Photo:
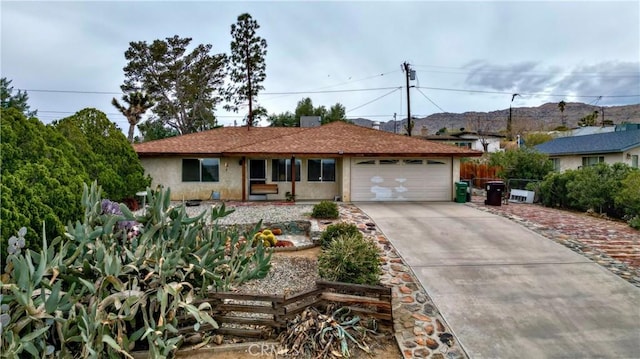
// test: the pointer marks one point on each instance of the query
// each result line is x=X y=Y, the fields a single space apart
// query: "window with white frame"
x=281 y=170
x=321 y=170
x=634 y=161
x=591 y=160
x=200 y=170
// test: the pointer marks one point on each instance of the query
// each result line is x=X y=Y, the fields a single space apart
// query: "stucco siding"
x=574 y=162
x=632 y=152
x=455 y=175
x=168 y=173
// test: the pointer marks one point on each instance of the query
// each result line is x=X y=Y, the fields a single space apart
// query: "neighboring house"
x=337 y=160
x=579 y=151
x=587 y=130
x=471 y=140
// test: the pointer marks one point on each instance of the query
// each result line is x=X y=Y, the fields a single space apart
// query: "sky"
x=467 y=56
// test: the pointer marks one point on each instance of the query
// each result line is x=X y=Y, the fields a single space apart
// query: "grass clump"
x=334 y=231
x=325 y=210
x=350 y=259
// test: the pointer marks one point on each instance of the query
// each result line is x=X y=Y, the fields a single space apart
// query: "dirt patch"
x=311 y=253
x=387 y=348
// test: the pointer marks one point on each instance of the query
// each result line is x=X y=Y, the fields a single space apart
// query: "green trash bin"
x=461 y=192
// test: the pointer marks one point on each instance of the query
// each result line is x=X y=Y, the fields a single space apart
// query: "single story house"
x=471 y=140
x=578 y=151
x=334 y=161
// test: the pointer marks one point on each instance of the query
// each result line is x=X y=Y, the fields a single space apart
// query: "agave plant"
x=118 y=282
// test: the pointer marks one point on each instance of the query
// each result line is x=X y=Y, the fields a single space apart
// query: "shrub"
x=120 y=282
x=554 y=192
x=535 y=138
x=45 y=166
x=337 y=230
x=325 y=209
x=524 y=163
x=611 y=189
x=628 y=196
x=594 y=187
x=351 y=259
x=634 y=222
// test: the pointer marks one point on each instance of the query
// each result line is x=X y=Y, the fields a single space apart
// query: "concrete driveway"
x=508 y=292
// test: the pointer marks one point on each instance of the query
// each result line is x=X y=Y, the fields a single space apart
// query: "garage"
x=401 y=179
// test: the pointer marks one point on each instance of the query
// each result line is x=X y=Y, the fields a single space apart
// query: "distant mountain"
x=544 y=117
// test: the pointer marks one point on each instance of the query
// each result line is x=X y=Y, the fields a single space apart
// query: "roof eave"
x=178 y=154
x=582 y=153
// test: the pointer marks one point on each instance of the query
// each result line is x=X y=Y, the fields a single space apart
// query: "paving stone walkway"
x=420 y=330
x=610 y=243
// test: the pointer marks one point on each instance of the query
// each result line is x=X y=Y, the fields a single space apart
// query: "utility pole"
x=395 y=124
x=407 y=71
x=509 y=133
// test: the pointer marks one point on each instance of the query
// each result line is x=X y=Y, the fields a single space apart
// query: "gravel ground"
x=253 y=213
x=288 y=274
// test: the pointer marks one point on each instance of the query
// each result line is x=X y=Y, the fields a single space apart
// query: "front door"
x=257 y=175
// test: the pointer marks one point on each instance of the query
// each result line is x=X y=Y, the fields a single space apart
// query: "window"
x=201 y=170
x=434 y=162
x=366 y=162
x=281 y=170
x=389 y=162
x=413 y=162
x=556 y=164
x=321 y=170
x=591 y=160
x=634 y=161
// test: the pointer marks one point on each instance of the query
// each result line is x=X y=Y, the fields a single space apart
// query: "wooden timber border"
x=273 y=311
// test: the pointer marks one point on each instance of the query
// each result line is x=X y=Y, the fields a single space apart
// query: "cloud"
x=620 y=80
x=617 y=82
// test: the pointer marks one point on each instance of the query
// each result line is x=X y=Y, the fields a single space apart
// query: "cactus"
x=103 y=288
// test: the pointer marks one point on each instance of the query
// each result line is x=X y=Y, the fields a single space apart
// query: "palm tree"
x=561 y=106
x=138 y=103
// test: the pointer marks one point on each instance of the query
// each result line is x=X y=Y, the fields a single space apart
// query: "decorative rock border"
x=420 y=330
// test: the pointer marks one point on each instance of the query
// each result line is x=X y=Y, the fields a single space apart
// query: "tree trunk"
x=132 y=128
x=250 y=118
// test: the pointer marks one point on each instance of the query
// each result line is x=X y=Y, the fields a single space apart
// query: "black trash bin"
x=495 y=190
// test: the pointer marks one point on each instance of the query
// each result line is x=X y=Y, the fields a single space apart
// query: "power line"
x=362 y=79
x=72 y=91
x=356 y=90
x=375 y=99
x=328 y=91
x=263 y=93
x=507 y=71
x=523 y=93
x=115 y=114
x=427 y=97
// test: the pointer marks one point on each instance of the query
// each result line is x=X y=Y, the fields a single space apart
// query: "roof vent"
x=310 y=121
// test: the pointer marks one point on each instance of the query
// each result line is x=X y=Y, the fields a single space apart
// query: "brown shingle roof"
x=334 y=139
x=215 y=141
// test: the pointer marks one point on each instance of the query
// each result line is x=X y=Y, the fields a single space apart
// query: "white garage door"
x=395 y=179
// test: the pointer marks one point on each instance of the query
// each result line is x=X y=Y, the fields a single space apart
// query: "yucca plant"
x=119 y=282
